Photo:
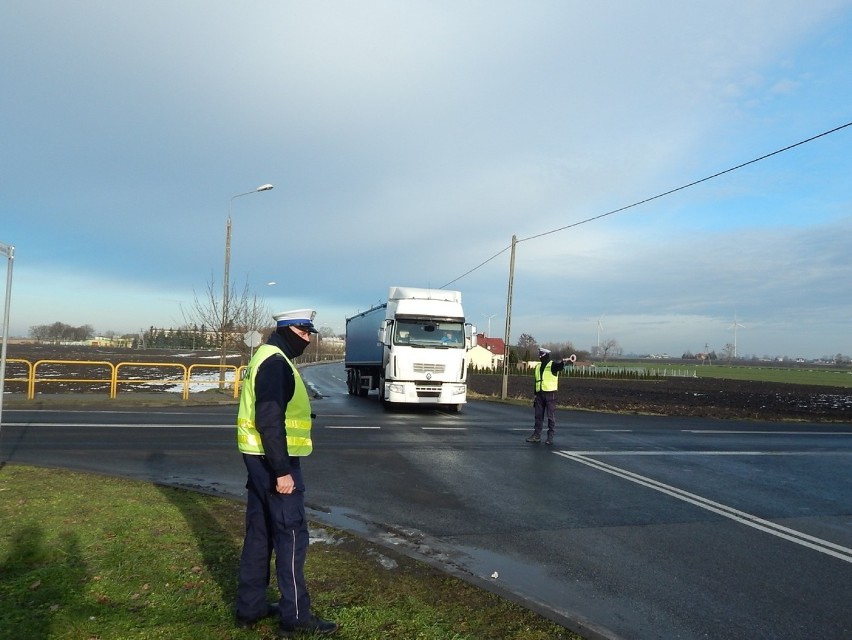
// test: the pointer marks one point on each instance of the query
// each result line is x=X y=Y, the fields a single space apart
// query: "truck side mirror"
x=384 y=333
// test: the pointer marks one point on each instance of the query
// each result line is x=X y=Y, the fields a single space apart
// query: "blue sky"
x=408 y=143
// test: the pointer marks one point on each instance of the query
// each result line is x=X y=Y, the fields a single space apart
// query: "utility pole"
x=508 y=321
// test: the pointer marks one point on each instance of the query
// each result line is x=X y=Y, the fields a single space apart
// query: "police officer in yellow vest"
x=546 y=374
x=274 y=434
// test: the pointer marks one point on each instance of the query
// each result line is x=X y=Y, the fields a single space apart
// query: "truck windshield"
x=429 y=333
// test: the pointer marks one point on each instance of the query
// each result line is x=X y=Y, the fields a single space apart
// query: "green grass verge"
x=820 y=377
x=97 y=558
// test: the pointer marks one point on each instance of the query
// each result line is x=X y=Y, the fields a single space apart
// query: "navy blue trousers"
x=274 y=522
x=544 y=404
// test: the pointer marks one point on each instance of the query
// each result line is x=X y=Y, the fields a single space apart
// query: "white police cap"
x=302 y=318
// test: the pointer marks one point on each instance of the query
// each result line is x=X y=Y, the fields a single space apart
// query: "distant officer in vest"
x=546 y=374
x=274 y=434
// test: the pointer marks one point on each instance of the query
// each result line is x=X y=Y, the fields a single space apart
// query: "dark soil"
x=678 y=396
x=705 y=397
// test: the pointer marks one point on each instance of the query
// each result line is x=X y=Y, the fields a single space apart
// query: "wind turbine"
x=600 y=328
x=488 y=335
x=734 y=327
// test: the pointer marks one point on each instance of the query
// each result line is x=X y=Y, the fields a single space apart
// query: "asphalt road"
x=629 y=527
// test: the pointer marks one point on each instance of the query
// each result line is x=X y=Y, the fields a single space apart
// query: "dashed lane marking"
x=345 y=426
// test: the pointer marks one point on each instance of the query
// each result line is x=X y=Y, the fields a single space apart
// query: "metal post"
x=225 y=295
x=9 y=252
x=508 y=321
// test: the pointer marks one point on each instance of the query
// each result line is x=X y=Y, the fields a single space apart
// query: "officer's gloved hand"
x=313 y=415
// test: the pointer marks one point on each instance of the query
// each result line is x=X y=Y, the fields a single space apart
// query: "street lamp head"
x=264 y=187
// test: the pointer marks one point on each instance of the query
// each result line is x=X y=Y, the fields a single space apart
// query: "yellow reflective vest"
x=545 y=379
x=297 y=416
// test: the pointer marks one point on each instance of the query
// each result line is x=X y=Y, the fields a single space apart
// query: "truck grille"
x=427 y=391
x=425 y=367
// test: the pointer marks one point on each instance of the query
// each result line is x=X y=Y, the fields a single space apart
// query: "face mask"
x=295 y=343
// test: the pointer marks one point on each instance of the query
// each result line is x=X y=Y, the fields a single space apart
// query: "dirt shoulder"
x=704 y=397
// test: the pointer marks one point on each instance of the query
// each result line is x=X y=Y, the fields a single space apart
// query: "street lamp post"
x=225 y=292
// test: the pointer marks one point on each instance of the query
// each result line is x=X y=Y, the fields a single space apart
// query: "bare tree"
x=610 y=348
x=258 y=315
x=559 y=350
x=525 y=340
x=59 y=331
x=246 y=312
x=527 y=346
x=83 y=332
x=40 y=332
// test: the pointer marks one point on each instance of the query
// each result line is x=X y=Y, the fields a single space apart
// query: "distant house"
x=488 y=352
x=481 y=358
x=494 y=345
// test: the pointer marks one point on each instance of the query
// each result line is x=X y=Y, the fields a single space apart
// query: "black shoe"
x=311 y=625
x=245 y=623
x=548 y=441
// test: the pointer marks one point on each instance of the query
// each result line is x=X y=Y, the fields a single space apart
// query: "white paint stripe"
x=444 y=428
x=155 y=426
x=98 y=411
x=128 y=426
x=347 y=427
x=770 y=433
x=812 y=542
x=712 y=453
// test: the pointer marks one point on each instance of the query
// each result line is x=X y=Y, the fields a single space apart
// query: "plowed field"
x=706 y=397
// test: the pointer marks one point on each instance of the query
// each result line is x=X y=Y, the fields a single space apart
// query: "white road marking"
x=812 y=542
x=343 y=426
x=712 y=453
x=129 y=426
x=770 y=433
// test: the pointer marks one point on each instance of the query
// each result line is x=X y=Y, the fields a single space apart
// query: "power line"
x=480 y=265
x=656 y=197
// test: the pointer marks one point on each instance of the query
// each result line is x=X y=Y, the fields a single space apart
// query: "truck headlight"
x=396 y=388
x=459 y=389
